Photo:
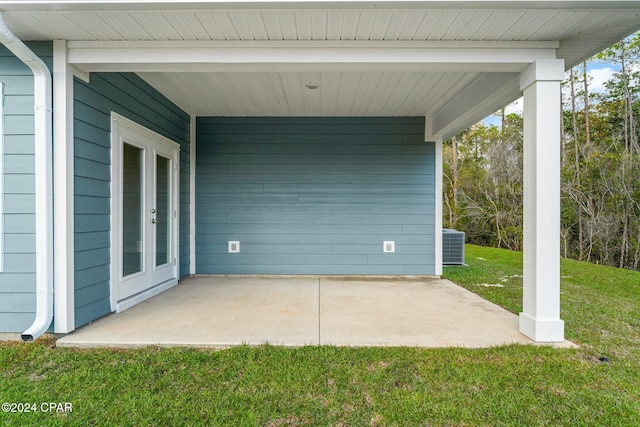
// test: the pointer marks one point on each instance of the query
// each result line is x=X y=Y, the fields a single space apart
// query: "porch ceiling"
x=284 y=94
x=453 y=95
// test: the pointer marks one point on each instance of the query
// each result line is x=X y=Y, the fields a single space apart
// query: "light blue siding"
x=314 y=196
x=17 y=279
x=130 y=96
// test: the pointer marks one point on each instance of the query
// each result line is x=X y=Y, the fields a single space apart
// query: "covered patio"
x=306 y=138
x=221 y=311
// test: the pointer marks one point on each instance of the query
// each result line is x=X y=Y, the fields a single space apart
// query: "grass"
x=600 y=305
x=276 y=386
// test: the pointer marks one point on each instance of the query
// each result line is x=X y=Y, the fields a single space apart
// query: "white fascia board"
x=482 y=97
x=301 y=56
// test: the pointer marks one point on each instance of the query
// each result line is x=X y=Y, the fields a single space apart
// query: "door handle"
x=153 y=221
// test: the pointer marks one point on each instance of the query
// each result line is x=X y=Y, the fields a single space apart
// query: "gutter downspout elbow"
x=43 y=180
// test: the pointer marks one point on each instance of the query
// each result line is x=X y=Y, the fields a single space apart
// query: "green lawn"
x=275 y=386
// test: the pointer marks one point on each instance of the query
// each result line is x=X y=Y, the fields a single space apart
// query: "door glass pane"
x=163 y=210
x=132 y=210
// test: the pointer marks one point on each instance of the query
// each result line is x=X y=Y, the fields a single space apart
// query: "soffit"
x=338 y=24
x=581 y=31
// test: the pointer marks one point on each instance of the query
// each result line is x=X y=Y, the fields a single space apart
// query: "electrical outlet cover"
x=234 y=247
x=389 y=246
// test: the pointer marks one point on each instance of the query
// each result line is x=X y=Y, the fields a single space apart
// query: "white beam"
x=475 y=102
x=540 y=317
x=63 y=226
x=82 y=75
x=310 y=44
x=307 y=56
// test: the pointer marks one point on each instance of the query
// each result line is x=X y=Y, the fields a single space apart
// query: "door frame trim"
x=117 y=122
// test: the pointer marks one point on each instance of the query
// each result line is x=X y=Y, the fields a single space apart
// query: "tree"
x=600 y=215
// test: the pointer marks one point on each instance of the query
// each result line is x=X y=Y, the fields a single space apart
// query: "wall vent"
x=452 y=247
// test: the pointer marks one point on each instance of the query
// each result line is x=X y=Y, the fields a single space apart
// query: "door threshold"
x=145 y=295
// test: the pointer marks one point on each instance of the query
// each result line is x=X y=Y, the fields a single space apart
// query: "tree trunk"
x=624 y=244
x=628 y=111
x=502 y=123
x=577 y=166
x=636 y=256
x=628 y=104
x=454 y=182
x=587 y=135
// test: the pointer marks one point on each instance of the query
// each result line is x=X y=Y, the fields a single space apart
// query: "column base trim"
x=542 y=330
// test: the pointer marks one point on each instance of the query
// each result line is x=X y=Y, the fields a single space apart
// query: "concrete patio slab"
x=433 y=313
x=212 y=312
x=221 y=311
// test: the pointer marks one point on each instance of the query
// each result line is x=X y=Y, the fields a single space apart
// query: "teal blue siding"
x=17 y=278
x=130 y=96
x=314 y=196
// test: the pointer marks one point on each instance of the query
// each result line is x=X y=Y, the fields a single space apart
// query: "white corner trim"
x=114 y=218
x=63 y=178
x=1 y=177
x=438 y=208
x=192 y=196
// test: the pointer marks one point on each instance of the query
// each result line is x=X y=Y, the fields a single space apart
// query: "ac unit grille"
x=452 y=247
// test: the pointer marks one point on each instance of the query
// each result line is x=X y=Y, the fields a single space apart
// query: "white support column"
x=438 y=207
x=192 y=197
x=64 y=315
x=540 y=319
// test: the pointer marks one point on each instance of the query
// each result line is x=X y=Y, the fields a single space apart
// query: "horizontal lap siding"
x=17 y=278
x=314 y=196
x=130 y=96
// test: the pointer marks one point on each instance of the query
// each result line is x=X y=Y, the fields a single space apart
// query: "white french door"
x=145 y=214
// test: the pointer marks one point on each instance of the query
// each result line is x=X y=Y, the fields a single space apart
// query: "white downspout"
x=43 y=179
